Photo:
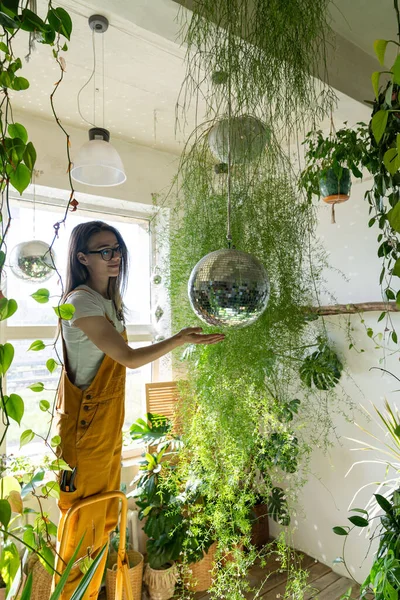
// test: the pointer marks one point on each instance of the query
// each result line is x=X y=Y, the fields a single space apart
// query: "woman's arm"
x=108 y=340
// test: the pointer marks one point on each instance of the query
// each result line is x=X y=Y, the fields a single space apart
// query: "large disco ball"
x=31 y=261
x=229 y=288
x=248 y=139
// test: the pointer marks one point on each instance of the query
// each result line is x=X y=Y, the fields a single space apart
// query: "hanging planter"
x=248 y=138
x=330 y=162
x=334 y=189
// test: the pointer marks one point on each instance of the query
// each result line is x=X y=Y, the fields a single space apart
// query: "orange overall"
x=89 y=423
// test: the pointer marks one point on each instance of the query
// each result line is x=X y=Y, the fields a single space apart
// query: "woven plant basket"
x=41 y=580
x=260 y=527
x=135 y=575
x=160 y=582
x=199 y=578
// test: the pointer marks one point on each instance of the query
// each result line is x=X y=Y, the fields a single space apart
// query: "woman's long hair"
x=78 y=274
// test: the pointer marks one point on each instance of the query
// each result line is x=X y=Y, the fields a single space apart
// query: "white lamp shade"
x=98 y=164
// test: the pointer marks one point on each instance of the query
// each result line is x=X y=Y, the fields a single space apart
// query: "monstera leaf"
x=322 y=368
x=277 y=506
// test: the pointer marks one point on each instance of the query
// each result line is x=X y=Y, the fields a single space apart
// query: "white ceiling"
x=142 y=71
x=363 y=21
x=144 y=66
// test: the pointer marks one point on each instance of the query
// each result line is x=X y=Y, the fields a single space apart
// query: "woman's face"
x=99 y=259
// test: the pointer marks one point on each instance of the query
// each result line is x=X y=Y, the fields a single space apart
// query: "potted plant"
x=381 y=513
x=171 y=507
x=330 y=161
x=156 y=500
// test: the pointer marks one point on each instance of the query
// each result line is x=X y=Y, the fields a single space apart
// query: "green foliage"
x=64 y=311
x=383 y=580
x=169 y=504
x=153 y=430
x=322 y=368
x=244 y=433
x=342 y=149
x=376 y=148
x=227 y=42
x=42 y=296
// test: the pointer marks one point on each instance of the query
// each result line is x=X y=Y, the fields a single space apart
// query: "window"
x=35 y=220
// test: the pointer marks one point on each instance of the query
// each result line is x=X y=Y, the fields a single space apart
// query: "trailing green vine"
x=17 y=164
x=249 y=47
x=248 y=419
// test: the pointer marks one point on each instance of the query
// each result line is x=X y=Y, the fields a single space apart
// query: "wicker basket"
x=200 y=579
x=161 y=582
x=260 y=528
x=135 y=575
x=41 y=582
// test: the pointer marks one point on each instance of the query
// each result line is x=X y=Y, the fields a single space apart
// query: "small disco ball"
x=229 y=288
x=31 y=261
x=248 y=139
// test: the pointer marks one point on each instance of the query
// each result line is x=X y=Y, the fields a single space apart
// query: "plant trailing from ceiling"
x=248 y=46
x=244 y=425
x=245 y=430
x=17 y=163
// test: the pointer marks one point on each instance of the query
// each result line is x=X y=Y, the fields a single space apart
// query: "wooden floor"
x=322 y=582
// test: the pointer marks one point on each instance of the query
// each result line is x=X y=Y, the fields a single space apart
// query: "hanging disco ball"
x=248 y=139
x=229 y=288
x=31 y=261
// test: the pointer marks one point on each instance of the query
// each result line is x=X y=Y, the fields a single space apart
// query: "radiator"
x=133 y=529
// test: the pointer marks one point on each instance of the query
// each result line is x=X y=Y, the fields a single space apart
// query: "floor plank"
x=267 y=578
x=321 y=584
x=334 y=591
x=316 y=571
x=324 y=583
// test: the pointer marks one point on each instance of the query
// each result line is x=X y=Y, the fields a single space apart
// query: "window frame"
x=103 y=207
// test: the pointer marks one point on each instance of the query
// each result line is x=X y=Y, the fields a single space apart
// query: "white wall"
x=325 y=499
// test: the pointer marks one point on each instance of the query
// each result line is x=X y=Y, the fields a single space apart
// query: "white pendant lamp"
x=97 y=162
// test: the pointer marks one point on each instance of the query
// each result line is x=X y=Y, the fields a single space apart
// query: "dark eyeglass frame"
x=113 y=251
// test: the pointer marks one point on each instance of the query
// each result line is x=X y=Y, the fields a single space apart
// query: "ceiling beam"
x=349 y=68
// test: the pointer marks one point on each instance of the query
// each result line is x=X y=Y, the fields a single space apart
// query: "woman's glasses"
x=107 y=253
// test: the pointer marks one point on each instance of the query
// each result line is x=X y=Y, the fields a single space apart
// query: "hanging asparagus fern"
x=254 y=43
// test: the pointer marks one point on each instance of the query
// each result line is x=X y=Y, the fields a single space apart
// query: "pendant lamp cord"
x=92 y=76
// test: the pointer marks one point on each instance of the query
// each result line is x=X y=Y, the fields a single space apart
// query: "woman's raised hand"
x=194 y=335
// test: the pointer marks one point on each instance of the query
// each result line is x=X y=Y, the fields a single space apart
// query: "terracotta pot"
x=160 y=582
x=230 y=556
x=260 y=528
x=3 y=593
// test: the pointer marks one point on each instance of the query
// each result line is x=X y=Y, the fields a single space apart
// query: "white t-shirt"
x=84 y=357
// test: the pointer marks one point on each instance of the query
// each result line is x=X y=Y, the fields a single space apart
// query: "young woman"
x=90 y=408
